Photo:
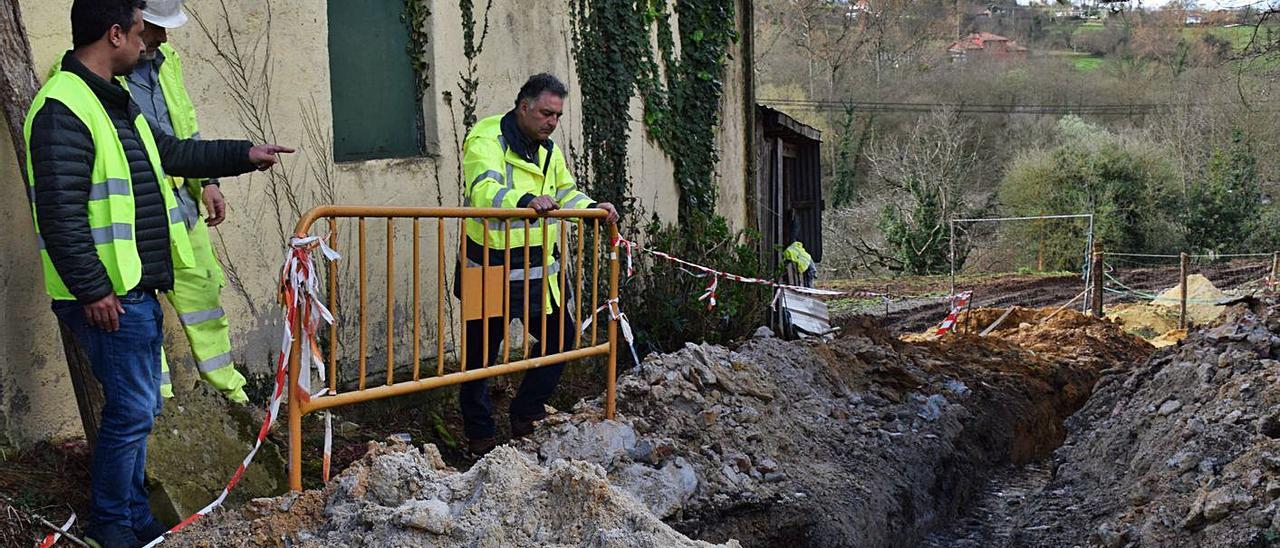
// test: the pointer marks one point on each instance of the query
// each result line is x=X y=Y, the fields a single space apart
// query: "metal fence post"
x=1182 y=289
x=611 y=397
x=1095 y=271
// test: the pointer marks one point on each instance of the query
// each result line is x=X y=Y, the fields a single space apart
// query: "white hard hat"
x=165 y=13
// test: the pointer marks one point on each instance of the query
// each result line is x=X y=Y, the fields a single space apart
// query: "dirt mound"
x=1183 y=450
x=862 y=441
x=397 y=495
x=1202 y=299
x=865 y=441
x=1157 y=320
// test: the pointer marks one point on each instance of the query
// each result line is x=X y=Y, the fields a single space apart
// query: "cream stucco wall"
x=292 y=102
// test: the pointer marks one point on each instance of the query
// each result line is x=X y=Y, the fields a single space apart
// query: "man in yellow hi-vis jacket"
x=508 y=160
x=158 y=87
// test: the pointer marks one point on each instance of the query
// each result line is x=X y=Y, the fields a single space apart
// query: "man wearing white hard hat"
x=157 y=87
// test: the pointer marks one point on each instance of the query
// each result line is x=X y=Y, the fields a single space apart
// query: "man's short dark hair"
x=539 y=84
x=90 y=19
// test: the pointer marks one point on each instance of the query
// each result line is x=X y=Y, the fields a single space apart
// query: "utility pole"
x=18 y=86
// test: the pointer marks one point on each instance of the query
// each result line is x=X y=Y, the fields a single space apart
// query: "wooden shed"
x=788 y=186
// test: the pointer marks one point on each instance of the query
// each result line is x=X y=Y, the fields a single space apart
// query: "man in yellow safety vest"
x=158 y=88
x=111 y=235
x=509 y=160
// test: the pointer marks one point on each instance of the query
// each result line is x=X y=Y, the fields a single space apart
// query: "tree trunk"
x=18 y=86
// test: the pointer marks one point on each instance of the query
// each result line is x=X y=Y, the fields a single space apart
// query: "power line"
x=1112 y=109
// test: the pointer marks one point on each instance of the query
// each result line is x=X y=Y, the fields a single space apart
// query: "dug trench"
x=866 y=440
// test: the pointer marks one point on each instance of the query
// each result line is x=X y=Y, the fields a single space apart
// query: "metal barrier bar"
x=440 y=297
x=595 y=276
x=558 y=219
x=363 y=309
x=462 y=251
x=577 y=297
x=563 y=277
x=391 y=299
x=506 y=291
x=525 y=324
x=333 y=308
x=417 y=312
x=544 y=296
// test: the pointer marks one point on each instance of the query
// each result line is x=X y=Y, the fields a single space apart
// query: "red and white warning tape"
x=52 y=538
x=628 y=246
x=958 y=302
x=303 y=307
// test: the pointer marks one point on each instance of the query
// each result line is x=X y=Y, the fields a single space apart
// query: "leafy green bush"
x=1125 y=182
x=663 y=303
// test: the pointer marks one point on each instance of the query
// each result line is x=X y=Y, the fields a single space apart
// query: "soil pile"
x=1157 y=320
x=864 y=441
x=397 y=495
x=1180 y=451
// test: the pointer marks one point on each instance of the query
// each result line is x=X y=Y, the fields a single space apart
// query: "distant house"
x=1194 y=18
x=985 y=44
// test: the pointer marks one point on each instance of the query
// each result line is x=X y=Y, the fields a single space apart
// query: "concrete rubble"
x=398 y=495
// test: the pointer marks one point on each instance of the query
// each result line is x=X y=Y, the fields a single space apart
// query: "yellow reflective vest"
x=110 y=206
x=797 y=255
x=495 y=176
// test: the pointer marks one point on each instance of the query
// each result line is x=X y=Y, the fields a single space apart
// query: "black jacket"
x=62 y=155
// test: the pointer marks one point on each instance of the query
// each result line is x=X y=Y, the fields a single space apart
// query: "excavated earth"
x=861 y=441
x=1182 y=450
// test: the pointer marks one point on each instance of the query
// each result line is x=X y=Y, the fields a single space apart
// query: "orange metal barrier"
x=485 y=295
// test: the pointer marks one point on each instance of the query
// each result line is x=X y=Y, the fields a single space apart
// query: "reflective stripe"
x=215 y=363
x=109 y=187
x=175 y=215
x=517 y=274
x=502 y=142
x=535 y=273
x=164 y=378
x=201 y=316
x=491 y=174
x=102 y=235
x=108 y=234
x=581 y=200
x=511 y=180
x=560 y=195
x=537 y=223
x=31 y=193
x=497 y=198
x=196 y=136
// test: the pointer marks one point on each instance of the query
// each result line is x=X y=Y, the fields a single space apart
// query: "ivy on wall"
x=680 y=83
x=471 y=49
x=415 y=17
x=681 y=93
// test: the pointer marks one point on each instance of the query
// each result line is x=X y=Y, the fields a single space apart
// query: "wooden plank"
x=996 y=323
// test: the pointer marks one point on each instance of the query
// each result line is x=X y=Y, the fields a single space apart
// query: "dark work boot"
x=111 y=536
x=150 y=532
x=521 y=426
x=480 y=447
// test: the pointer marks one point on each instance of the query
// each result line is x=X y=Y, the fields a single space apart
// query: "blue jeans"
x=127 y=364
